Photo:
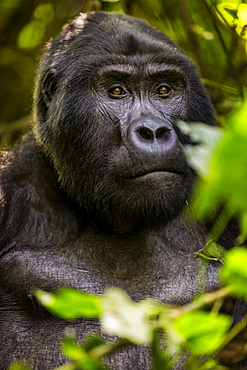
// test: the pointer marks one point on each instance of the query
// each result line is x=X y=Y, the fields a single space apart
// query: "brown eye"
x=163 y=90
x=117 y=92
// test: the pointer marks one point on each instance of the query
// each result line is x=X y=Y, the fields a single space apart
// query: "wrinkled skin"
x=93 y=197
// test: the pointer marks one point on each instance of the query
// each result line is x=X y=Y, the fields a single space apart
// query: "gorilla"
x=93 y=197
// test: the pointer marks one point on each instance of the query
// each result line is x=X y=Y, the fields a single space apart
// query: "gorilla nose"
x=150 y=135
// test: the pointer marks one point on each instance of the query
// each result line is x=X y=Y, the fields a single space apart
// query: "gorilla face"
x=110 y=94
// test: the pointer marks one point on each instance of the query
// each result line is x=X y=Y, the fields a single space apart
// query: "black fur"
x=93 y=197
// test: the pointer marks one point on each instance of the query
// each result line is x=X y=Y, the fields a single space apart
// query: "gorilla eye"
x=163 y=90
x=116 y=92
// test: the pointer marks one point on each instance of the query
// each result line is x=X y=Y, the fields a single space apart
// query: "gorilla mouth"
x=153 y=173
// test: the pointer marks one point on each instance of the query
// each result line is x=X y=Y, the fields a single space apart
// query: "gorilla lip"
x=154 y=172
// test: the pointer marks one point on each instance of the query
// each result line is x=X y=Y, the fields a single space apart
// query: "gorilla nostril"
x=161 y=133
x=150 y=135
x=146 y=133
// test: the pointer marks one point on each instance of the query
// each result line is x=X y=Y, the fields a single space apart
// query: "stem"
x=202 y=301
x=188 y=23
x=224 y=47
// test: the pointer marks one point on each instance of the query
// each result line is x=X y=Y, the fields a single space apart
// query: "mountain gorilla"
x=93 y=197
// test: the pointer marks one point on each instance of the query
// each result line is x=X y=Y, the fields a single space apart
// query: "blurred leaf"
x=234 y=271
x=206 y=138
x=9 y=4
x=44 y=12
x=70 y=304
x=72 y=349
x=241 y=21
x=228 y=11
x=31 y=34
x=160 y=358
x=80 y=354
x=227 y=170
x=243 y=226
x=195 y=364
x=125 y=318
x=93 y=341
x=17 y=365
x=113 y=6
x=203 y=331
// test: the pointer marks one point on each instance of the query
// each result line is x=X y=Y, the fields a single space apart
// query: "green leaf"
x=194 y=363
x=92 y=342
x=32 y=34
x=72 y=349
x=17 y=365
x=9 y=4
x=113 y=6
x=160 y=358
x=234 y=271
x=228 y=12
x=70 y=304
x=80 y=355
x=241 y=21
x=203 y=331
x=44 y=12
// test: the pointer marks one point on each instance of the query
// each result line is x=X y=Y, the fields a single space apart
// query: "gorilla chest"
x=160 y=264
x=156 y=264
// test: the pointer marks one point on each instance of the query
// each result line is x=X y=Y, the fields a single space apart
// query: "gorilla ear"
x=49 y=86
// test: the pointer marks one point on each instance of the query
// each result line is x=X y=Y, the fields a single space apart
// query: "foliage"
x=69 y=304
x=224 y=178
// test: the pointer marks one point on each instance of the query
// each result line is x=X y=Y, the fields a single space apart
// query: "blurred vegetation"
x=205 y=29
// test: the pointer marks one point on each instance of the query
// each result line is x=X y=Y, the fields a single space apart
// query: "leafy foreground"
x=189 y=327
x=221 y=161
